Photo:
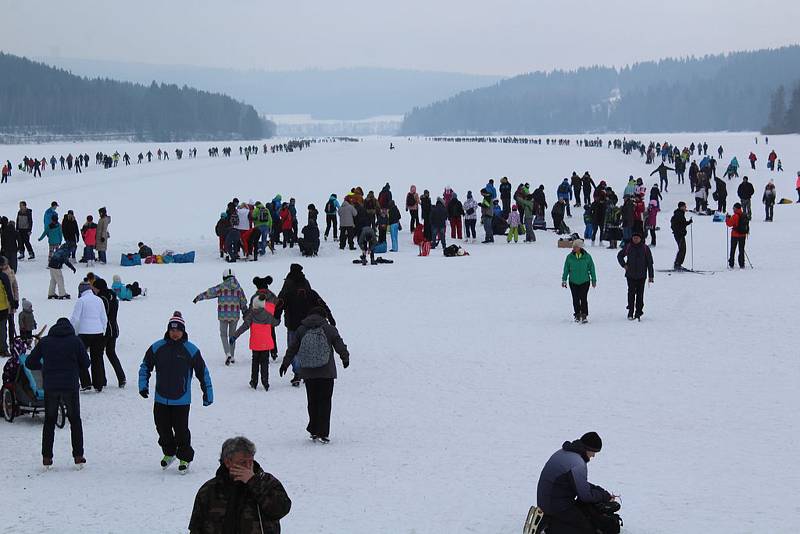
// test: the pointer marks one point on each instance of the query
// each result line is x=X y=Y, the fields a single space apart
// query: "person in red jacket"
x=740 y=227
x=753 y=160
x=260 y=321
x=286 y=226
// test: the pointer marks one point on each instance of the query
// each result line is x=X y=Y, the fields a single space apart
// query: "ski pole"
x=748 y=257
x=727 y=244
x=691 y=241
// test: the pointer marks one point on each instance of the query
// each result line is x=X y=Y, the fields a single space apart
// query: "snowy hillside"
x=466 y=373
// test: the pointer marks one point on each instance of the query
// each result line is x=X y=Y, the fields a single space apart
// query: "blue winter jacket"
x=53 y=233
x=564 y=191
x=60 y=355
x=492 y=191
x=564 y=478
x=48 y=216
x=175 y=362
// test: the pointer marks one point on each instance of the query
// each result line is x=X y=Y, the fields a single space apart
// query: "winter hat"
x=592 y=442
x=176 y=322
x=26 y=305
x=100 y=284
x=577 y=243
x=638 y=234
x=83 y=287
x=262 y=283
x=295 y=268
x=116 y=279
x=227 y=273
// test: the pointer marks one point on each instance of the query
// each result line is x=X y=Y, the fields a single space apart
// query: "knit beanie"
x=295 y=268
x=592 y=442
x=262 y=283
x=176 y=322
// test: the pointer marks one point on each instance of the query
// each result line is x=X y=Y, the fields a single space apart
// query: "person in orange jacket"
x=740 y=227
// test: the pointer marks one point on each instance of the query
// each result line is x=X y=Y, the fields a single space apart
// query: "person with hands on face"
x=241 y=497
x=175 y=360
x=579 y=269
x=313 y=344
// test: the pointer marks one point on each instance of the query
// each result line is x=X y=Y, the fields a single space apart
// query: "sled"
x=533 y=522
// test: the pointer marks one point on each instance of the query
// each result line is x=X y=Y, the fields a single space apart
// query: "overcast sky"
x=486 y=37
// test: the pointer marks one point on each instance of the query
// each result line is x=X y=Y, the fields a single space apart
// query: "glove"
x=206 y=402
x=563 y=284
x=144 y=393
x=345 y=362
x=194 y=300
x=282 y=370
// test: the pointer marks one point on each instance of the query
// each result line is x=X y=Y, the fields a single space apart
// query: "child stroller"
x=22 y=391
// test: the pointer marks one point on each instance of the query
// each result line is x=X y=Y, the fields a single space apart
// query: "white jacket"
x=89 y=315
x=244 y=219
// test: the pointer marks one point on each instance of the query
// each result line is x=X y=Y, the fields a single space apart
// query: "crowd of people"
x=72 y=355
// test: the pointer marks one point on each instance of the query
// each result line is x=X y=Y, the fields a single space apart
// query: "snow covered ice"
x=466 y=373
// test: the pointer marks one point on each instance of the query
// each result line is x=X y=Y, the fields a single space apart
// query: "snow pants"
x=56 y=279
x=24 y=242
x=260 y=367
x=530 y=237
x=347 y=234
x=111 y=354
x=394 y=229
x=580 y=305
x=487 y=228
x=226 y=330
x=319 y=392
x=4 y=315
x=415 y=218
x=635 y=295
x=455 y=228
x=681 y=255
x=737 y=242
x=576 y=189
x=330 y=222
x=95 y=344
x=513 y=233
x=172 y=425
x=71 y=401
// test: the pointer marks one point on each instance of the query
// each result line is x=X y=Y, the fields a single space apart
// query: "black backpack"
x=410 y=200
x=743 y=225
x=329 y=208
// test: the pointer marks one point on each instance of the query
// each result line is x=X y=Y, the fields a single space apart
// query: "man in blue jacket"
x=61 y=356
x=175 y=359
x=564 y=494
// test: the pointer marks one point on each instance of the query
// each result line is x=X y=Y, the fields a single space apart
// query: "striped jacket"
x=231 y=299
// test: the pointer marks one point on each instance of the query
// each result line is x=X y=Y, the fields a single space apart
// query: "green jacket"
x=527 y=206
x=579 y=269
x=257 y=216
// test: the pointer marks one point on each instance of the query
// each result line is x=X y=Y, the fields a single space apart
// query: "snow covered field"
x=466 y=373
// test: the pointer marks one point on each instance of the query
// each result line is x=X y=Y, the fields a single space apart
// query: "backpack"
x=314 y=351
x=329 y=208
x=743 y=224
x=263 y=215
x=451 y=251
x=410 y=200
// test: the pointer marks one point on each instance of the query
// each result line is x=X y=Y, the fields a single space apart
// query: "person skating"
x=739 y=224
x=769 y=200
x=175 y=359
x=579 y=271
x=89 y=234
x=678 y=223
x=241 y=497
x=313 y=345
x=295 y=299
x=231 y=301
x=663 y=181
x=54 y=235
x=57 y=261
x=24 y=229
x=260 y=320
x=62 y=358
x=90 y=321
x=111 y=304
x=637 y=260
x=262 y=288
x=651 y=220
x=331 y=209
x=746 y=192
x=564 y=492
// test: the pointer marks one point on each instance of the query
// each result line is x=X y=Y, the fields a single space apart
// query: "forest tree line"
x=38 y=99
x=713 y=93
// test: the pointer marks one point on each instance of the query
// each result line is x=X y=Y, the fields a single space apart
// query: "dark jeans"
x=111 y=354
x=663 y=184
x=70 y=400
x=487 y=229
x=652 y=237
x=587 y=195
x=95 y=344
x=346 y=234
x=737 y=241
x=722 y=204
x=5 y=319
x=438 y=234
x=681 y=255
x=570 y=521
x=24 y=242
x=506 y=203
x=415 y=218
x=636 y=295
x=330 y=222
x=319 y=392
x=769 y=211
x=260 y=366
x=469 y=225
x=580 y=305
x=172 y=425
x=576 y=189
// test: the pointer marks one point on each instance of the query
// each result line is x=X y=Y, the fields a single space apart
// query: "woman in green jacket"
x=579 y=269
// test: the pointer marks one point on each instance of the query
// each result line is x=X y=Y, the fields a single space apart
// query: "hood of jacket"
x=414 y=189
x=576 y=447
x=313 y=321
x=62 y=328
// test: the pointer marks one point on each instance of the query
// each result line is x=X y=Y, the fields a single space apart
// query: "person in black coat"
x=588 y=184
x=295 y=300
x=438 y=224
x=111 y=304
x=637 y=260
x=746 y=192
x=309 y=243
x=69 y=227
x=61 y=356
x=679 y=225
x=8 y=242
x=505 y=198
x=577 y=184
x=722 y=194
x=539 y=201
